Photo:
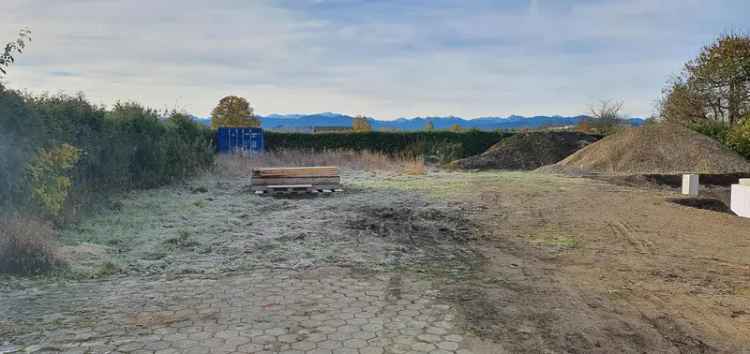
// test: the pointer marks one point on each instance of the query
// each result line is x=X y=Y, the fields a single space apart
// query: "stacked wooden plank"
x=322 y=179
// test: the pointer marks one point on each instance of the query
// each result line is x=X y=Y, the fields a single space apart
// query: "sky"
x=380 y=58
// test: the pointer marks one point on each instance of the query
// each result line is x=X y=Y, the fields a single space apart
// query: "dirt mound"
x=527 y=151
x=662 y=148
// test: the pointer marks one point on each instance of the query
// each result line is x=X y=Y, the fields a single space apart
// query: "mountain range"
x=328 y=119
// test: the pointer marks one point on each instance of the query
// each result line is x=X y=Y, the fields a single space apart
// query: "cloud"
x=380 y=58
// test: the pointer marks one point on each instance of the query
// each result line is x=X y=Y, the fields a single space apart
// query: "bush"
x=738 y=138
x=716 y=130
x=25 y=246
x=49 y=183
x=439 y=146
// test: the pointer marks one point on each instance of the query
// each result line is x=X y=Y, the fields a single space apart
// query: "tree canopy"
x=713 y=86
x=234 y=111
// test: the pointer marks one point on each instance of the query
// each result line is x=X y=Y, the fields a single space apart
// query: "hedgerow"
x=59 y=151
x=440 y=146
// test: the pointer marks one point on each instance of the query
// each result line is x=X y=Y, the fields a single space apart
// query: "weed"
x=200 y=189
x=105 y=270
x=182 y=240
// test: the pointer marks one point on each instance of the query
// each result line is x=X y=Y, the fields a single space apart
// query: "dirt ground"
x=581 y=265
x=505 y=262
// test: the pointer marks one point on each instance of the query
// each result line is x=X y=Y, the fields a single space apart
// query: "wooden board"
x=320 y=171
x=265 y=181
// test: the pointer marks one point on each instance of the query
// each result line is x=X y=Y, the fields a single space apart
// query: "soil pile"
x=662 y=148
x=527 y=151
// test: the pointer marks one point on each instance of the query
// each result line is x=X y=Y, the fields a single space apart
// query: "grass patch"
x=445 y=185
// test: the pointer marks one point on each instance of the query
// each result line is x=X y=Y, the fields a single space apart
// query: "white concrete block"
x=744 y=182
x=740 y=200
x=690 y=185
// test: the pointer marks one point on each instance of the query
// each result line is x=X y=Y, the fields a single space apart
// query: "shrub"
x=48 y=173
x=25 y=246
x=714 y=129
x=738 y=138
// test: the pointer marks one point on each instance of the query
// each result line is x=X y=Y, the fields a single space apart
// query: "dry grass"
x=25 y=246
x=242 y=164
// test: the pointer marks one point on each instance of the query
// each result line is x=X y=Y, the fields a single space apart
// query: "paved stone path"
x=325 y=311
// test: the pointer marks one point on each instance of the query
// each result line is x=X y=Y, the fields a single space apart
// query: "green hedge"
x=439 y=146
x=122 y=148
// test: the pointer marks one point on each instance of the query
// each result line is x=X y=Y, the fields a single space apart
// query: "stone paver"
x=266 y=311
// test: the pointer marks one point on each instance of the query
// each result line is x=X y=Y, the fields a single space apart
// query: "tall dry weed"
x=242 y=164
x=26 y=246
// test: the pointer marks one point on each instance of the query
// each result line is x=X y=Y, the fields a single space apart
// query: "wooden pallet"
x=295 y=180
x=296 y=189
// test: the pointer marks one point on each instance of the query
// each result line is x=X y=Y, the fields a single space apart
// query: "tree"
x=361 y=124
x=606 y=116
x=680 y=104
x=713 y=86
x=233 y=111
x=428 y=127
x=7 y=58
x=455 y=128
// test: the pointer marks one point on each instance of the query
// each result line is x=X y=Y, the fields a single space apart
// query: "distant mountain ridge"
x=328 y=119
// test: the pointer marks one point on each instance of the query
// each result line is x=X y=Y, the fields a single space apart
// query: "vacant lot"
x=441 y=263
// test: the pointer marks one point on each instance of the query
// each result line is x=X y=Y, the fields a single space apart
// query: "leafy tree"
x=48 y=173
x=361 y=124
x=428 y=127
x=234 y=111
x=738 y=138
x=455 y=128
x=17 y=46
x=680 y=104
x=713 y=86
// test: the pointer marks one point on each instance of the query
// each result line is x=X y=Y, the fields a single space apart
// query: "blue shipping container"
x=240 y=140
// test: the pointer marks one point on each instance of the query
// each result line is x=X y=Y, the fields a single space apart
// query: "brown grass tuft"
x=25 y=246
x=235 y=165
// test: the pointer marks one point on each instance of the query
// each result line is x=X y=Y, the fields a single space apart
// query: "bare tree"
x=606 y=109
x=607 y=116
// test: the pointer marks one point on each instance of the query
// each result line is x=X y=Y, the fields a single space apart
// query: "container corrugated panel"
x=239 y=140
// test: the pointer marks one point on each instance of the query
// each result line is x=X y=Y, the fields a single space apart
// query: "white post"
x=690 y=185
x=740 y=199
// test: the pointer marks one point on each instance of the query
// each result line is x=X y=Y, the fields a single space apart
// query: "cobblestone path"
x=325 y=310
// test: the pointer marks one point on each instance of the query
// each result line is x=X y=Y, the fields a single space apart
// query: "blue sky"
x=380 y=58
